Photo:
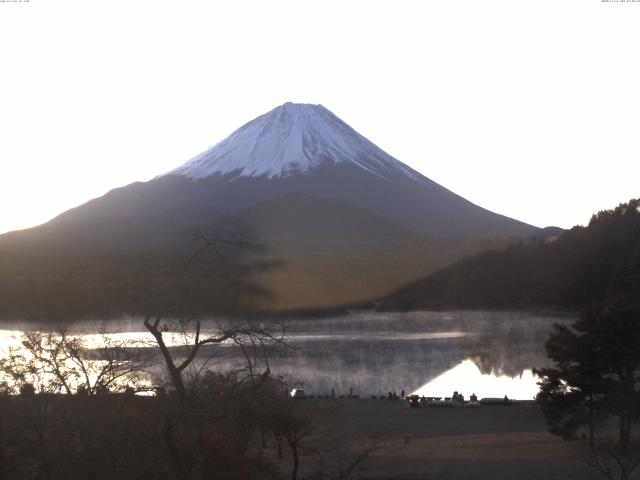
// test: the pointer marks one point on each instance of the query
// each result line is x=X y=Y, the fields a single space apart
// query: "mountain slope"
x=333 y=251
x=344 y=220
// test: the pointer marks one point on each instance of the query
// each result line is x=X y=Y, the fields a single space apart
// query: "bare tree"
x=296 y=429
x=253 y=338
x=609 y=460
x=192 y=295
x=339 y=462
x=198 y=431
x=174 y=310
x=54 y=361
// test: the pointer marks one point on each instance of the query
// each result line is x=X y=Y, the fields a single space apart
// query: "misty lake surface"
x=491 y=354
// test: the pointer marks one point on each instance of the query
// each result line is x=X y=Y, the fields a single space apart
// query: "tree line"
x=570 y=272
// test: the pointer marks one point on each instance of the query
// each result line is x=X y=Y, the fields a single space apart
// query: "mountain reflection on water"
x=374 y=353
x=405 y=351
x=466 y=378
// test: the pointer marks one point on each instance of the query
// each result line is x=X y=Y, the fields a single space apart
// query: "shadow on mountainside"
x=215 y=274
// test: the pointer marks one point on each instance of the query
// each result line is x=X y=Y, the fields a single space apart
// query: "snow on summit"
x=292 y=138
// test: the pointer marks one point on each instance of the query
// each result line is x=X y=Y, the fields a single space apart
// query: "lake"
x=487 y=353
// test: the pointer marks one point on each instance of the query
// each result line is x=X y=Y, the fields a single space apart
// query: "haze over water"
x=487 y=353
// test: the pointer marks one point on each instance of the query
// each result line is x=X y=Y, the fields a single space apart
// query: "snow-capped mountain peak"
x=291 y=138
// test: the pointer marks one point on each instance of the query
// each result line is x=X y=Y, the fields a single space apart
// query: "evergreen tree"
x=571 y=392
x=596 y=370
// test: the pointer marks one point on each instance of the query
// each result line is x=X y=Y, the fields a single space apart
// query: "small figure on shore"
x=473 y=398
x=505 y=400
x=457 y=397
x=390 y=397
x=402 y=393
x=333 y=393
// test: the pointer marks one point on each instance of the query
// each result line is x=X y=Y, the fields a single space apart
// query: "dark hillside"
x=576 y=269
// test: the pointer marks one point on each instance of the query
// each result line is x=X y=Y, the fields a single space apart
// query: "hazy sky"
x=528 y=108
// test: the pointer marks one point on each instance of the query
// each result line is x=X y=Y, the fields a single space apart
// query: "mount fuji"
x=290 y=139
x=346 y=221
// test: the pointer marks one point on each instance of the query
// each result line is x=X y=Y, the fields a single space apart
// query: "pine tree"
x=596 y=370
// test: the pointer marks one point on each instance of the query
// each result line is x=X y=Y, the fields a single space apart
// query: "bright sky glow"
x=529 y=109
